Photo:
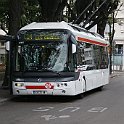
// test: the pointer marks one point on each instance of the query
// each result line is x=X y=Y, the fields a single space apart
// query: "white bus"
x=58 y=58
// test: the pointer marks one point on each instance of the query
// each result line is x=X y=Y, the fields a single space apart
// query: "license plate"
x=39 y=92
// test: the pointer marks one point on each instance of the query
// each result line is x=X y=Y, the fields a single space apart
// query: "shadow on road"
x=44 y=99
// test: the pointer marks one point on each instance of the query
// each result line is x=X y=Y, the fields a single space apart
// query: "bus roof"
x=46 y=25
x=81 y=34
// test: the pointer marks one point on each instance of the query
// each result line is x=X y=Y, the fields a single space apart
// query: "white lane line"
x=43 y=109
x=4 y=100
x=103 y=109
x=48 y=117
x=73 y=109
x=64 y=116
x=52 y=117
x=98 y=109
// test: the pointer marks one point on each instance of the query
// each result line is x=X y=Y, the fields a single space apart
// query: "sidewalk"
x=4 y=94
x=116 y=73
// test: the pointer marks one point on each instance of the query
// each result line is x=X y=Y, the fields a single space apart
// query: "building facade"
x=2 y=49
x=118 y=48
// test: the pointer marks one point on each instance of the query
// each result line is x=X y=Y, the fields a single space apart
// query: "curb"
x=112 y=76
x=4 y=100
x=116 y=75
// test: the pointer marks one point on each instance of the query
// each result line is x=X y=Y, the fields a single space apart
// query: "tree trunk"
x=59 y=12
x=101 y=27
x=48 y=9
x=15 y=7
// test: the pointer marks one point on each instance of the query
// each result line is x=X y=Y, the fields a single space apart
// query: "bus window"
x=90 y=56
x=43 y=51
x=101 y=57
x=86 y=56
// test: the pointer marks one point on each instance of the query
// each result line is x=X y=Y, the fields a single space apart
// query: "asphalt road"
x=97 y=107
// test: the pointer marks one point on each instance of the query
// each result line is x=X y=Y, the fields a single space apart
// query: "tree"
x=15 y=14
x=31 y=12
x=3 y=14
x=15 y=10
x=95 y=12
x=52 y=9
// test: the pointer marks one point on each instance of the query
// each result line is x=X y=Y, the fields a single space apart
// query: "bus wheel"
x=100 y=88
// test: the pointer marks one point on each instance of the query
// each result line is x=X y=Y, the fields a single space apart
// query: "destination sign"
x=39 y=37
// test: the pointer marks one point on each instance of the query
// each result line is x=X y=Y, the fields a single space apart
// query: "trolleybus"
x=58 y=58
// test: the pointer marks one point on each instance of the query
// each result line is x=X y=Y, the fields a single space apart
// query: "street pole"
x=111 y=36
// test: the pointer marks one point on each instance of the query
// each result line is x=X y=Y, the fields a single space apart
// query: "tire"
x=81 y=96
x=100 y=88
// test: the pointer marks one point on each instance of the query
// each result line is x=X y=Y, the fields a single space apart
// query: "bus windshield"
x=42 y=51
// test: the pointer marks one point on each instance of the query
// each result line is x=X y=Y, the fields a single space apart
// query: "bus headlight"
x=19 y=84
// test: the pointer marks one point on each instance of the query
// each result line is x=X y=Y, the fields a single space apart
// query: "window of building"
x=2 y=58
x=118 y=49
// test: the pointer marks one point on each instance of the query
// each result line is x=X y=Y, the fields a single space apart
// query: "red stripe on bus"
x=91 y=41
x=38 y=87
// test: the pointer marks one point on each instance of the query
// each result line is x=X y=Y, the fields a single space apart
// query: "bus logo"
x=48 y=85
x=39 y=80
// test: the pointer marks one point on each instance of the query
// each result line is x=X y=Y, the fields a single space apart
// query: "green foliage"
x=4 y=12
x=31 y=12
x=36 y=10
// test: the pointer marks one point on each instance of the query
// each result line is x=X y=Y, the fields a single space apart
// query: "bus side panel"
x=99 y=80
x=96 y=78
x=106 y=76
x=80 y=84
x=89 y=77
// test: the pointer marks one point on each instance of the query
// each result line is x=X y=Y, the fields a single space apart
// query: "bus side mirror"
x=74 y=42
x=6 y=38
x=73 y=48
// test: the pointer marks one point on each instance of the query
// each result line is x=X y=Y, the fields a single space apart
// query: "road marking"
x=97 y=109
x=73 y=109
x=52 y=117
x=42 y=109
x=103 y=109
x=4 y=100
x=48 y=117
x=64 y=116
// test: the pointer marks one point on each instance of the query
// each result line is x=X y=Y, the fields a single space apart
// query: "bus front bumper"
x=21 y=88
